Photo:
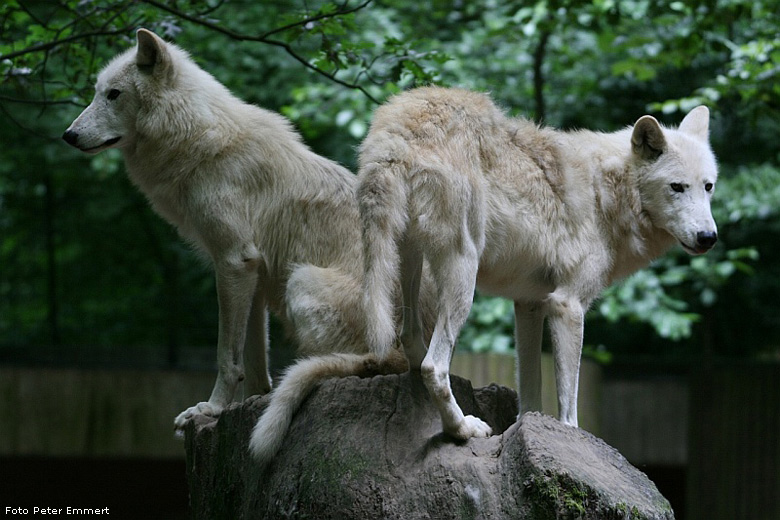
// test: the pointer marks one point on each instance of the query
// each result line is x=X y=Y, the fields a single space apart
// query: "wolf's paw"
x=204 y=408
x=471 y=426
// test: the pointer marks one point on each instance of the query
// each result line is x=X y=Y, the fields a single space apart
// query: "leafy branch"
x=66 y=35
x=267 y=37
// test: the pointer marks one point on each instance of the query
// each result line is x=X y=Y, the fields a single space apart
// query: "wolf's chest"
x=170 y=201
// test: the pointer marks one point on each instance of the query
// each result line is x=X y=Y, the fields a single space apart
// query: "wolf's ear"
x=697 y=123
x=647 y=140
x=152 y=56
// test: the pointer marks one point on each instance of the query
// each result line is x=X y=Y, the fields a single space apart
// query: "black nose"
x=70 y=137
x=706 y=239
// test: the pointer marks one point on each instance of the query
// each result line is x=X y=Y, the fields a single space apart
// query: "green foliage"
x=84 y=261
x=751 y=194
x=660 y=295
x=490 y=325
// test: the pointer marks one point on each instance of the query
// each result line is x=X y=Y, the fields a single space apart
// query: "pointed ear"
x=152 y=55
x=647 y=140
x=697 y=123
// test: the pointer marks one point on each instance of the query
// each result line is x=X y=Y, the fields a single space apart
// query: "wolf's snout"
x=706 y=239
x=70 y=137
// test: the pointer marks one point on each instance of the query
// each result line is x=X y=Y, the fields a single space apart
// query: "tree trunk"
x=52 y=307
x=540 y=108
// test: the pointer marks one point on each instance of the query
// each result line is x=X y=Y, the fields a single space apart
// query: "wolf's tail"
x=298 y=382
x=383 y=212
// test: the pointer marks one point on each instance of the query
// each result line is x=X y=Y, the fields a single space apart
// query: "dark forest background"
x=89 y=275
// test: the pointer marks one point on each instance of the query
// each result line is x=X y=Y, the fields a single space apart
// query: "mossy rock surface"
x=570 y=473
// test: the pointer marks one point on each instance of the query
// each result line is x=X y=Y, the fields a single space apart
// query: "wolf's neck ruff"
x=605 y=159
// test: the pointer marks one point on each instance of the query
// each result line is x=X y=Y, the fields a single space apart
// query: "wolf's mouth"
x=102 y=146
x=694 y=251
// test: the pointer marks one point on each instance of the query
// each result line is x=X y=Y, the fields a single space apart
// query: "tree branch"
x=43 y=47
x=266 y=38
x=324 y=16
x=539 y=54
x=38 y=102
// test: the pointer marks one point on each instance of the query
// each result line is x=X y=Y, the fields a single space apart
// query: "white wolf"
x=278 y=221
x=545 y=218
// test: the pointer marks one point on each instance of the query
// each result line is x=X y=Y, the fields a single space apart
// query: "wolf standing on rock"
x=547 y=219
x=277 y=220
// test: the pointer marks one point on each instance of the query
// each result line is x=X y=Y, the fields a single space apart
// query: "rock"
x=373 y=448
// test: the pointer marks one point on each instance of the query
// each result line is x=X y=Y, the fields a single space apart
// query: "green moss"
x=631 y=513
x=330 y=477
x=554 y=497
x=558 y=497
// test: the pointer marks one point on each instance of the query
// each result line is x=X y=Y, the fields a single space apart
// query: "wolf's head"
x=110 y=119
x=676 y=172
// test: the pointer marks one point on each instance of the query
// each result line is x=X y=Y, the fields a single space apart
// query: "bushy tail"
x=298 y=382
x=383 y=213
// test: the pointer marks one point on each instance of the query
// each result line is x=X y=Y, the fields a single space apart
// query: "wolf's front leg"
x=236 y=284
x=529 y=328
x=412 y=331
x=567 y=316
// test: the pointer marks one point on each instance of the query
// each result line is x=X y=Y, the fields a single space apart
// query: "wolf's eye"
x=677 y=187
x=708 y=186
x=113 y=94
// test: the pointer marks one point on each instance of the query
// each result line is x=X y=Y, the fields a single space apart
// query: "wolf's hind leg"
x=258 y=379
x=455 y=275
x=529 y=327
x=324 y=306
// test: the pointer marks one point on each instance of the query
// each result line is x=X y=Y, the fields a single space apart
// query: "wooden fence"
x=734 y=462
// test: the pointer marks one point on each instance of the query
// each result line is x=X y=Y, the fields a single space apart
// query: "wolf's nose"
x=706 y=239
x=70 y=137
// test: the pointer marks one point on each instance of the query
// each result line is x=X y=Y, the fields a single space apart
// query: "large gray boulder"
x=373 y=448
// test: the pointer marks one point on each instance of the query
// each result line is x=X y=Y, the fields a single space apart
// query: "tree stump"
x=373 y=448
